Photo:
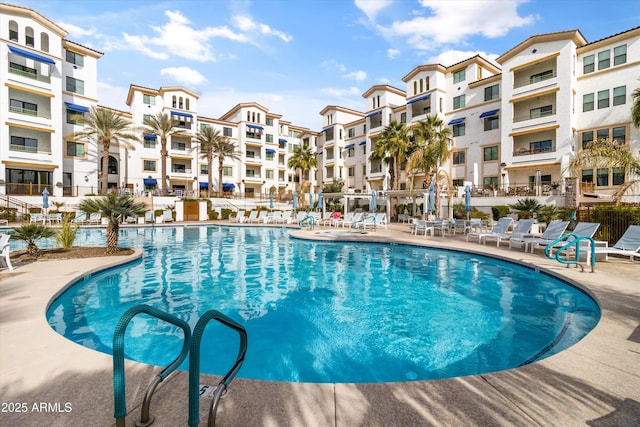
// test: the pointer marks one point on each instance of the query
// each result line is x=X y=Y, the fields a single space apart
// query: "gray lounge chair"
x=627 y=245
x=501 y=227
x=522 y=229
x=552 y=232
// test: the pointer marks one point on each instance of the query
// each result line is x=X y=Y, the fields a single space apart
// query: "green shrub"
x=67 y=234
x=226 y=213
x=10 y=214
x=499 y=211
x=212 y=215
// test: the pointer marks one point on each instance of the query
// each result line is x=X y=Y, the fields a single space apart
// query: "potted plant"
x=554 y=188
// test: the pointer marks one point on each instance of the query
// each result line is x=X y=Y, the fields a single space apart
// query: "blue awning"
x=150 y=136
x=420 y=98
x=489 y=113
x=456 y=121
x=363 y=143
x=349 y=146
x=270 y=151
x=326 y=129
x=78 y=108
x=177 y=113
x=255 y=127
x=228 y=186
x=30 y=55
x=375 y=113
x=282 y=140
x=204 y=184
x=150 y=181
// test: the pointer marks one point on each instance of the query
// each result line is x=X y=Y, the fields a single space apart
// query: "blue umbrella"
x=295 y=200
x=310 y=200
x=431 y=205
x=467 y=199
x=373 y=203
x=45 y=199
x=271 y=201
x=319 y=204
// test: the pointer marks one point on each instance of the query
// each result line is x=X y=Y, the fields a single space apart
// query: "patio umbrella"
x=431 y=205
x=319 y=204
x=295 y=200
x=373 y=203
x=45 y=199
x=310 y=200
x=467 y=200
x=538 y=182
x=271 y=201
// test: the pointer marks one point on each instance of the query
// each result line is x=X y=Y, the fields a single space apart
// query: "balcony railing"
x=534 y=79
x=534 y=115
x=34 y=76
x=530 y=151
x=29 y=149
x=29 y=112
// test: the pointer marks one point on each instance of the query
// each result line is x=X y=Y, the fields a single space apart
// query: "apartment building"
x=46 y=80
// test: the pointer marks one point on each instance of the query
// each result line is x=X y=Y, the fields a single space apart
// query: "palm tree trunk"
x=112 y=237
x=163 y=167
x=220 y=168
x=105 y=167
x=209 y=172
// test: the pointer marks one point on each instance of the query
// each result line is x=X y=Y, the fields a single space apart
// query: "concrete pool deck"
x=46 y=379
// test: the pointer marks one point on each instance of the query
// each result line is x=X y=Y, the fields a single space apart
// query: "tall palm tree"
x=392 y=147
x=106 y=126
x=164 y=127
x=115 y=207
x=302 y=159
x=607 y=153
x=213 y=144
x=635 y=109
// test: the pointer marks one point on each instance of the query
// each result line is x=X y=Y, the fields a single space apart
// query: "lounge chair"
x=248 y=219
x=357 y=216
x=500 y=227
x=239 y=216
x=552 y=232
x=149 y=216
x=285 y=217
x=443 y=226
x=261 y=217
x=336 y=221
x=35 y=218
x=4 y=250
x=582 y=229
x=167 y=215
x=522 y=229
x=275 y=217
x=627 y=245
x=422 y=226
x=55 y=218
x=460 y=225
x=326 y=219
x=95 y=218
x=80 y=217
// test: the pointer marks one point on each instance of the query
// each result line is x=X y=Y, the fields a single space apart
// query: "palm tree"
x=164 y=127
x=106 y=126
x=213 y=144
x=302 y=159
x=115 y=207
x=30 y=233
x=607 y=153
x=635 y=110
x=392 y=147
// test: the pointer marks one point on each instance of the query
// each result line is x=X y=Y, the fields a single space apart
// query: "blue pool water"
x=325 y=312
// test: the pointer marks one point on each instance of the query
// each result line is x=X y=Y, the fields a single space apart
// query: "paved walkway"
x=46 y=380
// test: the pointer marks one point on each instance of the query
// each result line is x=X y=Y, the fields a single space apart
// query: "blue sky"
x=297 y=56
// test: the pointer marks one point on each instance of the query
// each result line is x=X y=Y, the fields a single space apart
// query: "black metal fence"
x=614 y=221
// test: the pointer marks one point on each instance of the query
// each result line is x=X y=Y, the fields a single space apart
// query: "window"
x=178 y=146
x=204 y=169
x=490 y=182
x=617 y=176
x=619 y=95
x=112 y=165
x=587 y=137
x=587 y=175
x=352 y=171
x=458 y=102
x=178 y=168
x=545 y=75
x=604 y=59
x=227 y=131
x=149 y=142
x=602 y=134
x=490 y=153
x=269 y=121
x=459 y=76
x=587 y=102
x=75 y=149
x=351 y=132
x=588 y=64
x=148 y=99
x=351 y=152
x=546 y=110
x=250 y=173
x=149 y=165
x=459 y=129
x=403 y=118
x=458 y=158
x=73 y=116
x=75 y=85
x=620 y=55
x=268 y=137
x=619 y=135
x=250 y=154
x=29 y=72
x=147 y=118
x=20 y=143
x=457 y=182
x=603 y=99
x=491 y=92
x=75 y=58
x=491 y=123
x=23 y=107
x=269 y=174
x=44 y=43
x=13 y=31
x=603 y=177
x=28 y=37
x=540 y=146
x=227 y=171
x=268 y=156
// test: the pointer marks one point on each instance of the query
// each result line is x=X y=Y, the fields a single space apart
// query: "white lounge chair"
x=286 y=217
x=337 y=221
x=522 y=229
x=54 y=218
x=80 y=217
x=149 y=216
x=167 y=215
x=627 y=245
x=249 y=219
x=422 y=226
x=4 y=250
x=35 y=218
x=582 y=229
x=95 y=218
x=500 y=227
x=551 y=233
x=372 y=221
x=275 y=217
x=239 y=216
x=262 y=217
x=357 y=216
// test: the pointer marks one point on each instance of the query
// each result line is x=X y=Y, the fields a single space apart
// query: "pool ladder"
x=591 y=257
x=311 y=219
x=191 y=347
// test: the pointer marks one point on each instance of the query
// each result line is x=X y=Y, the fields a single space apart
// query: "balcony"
x=536 y=113
x=522 y=151
x=28 y=73
x=533 y=79
x=30 y=149
x=30 y=112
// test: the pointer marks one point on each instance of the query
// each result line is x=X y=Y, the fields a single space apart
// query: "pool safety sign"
x=207 y=391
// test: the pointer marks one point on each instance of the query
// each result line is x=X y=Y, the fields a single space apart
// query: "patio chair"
x=422 y=226
x=357 y=216
x=285 y=217
x=149 y=216
x=275 y=217
x=336 y=220
x=443 y=226
x=554 y=230
x=239 y=216
x=80 y=217
x=167 y=215
x=35 y=218
x=55 y=218
x=4 y=250
x=500 y=227
x=582 y=229
x=249 y=219
x=460 y=225
x=261 y=217
x=627 y=245
x=522 y=229
x=95 y=218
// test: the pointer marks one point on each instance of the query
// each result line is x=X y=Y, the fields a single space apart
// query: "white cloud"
x=246 y=24
x=113 y=96
x=392 y=53
x=446 y=24
x=450 y=57
x=331 y=64
x=358 y=75
x=75 y=31
x=338 y=93
x=372 y=7
x=184 y=75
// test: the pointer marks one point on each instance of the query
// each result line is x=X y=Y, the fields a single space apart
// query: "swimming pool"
x=325 y=312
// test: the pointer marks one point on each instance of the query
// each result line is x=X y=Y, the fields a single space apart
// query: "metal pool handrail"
x=119 y=389
x=575 y=242
x=194 y=366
